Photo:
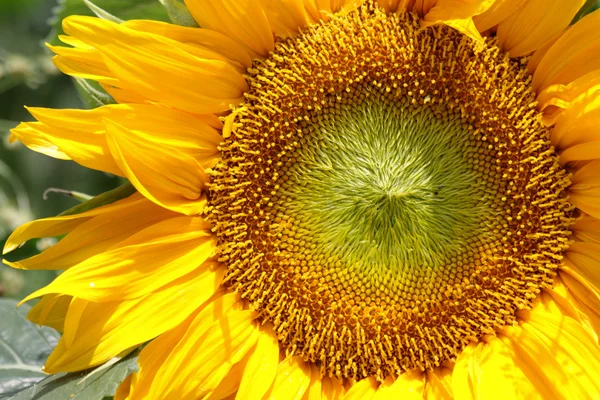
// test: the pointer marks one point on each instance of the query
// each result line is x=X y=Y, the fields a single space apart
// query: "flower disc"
x=387 y=194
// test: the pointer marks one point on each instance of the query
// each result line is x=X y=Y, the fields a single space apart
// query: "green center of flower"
x=386 y=190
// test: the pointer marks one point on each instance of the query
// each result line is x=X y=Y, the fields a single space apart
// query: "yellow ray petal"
x=88 y=149
x=107 y=329
x=410 y=386
x=573 y=299
x=324 y=9
x=457 y=14
x=244 y=21
x=291 y=380
x=555 y=353
x=393 y=6
x=575 y=121
x=584 y=192
x=539 y=54
x=82 y=61
x=144 y=262
x=332 y=388
x=584 y=259
x=50 y=311
x=483 y=370
x=72 y=320
x=204 y=38
x=193 y=370
x=286 y=17
x=315 y=389
x=587 y=229
x=97 y=234
x=122 y=392
x=574 y=54
x=156 y=352
x=584 y=90
x=534 y=24
x=230 y=384
x=362 y=390
x=56 y=226
x=173 y=181
x=34 y=139
x=261 y=368
x=438 y=384
x=192 y=79
x=581 y=152
x=422 y=7
x=498 y=12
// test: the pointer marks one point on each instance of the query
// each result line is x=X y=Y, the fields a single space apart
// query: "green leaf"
x=109 y=197
x=179 y=13
x=24 y=348
x=92 y=94
x=95 y=384
x=101 y=13
x=588 y=7
x=122 y=9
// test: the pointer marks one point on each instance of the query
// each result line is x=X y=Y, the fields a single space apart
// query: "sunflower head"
x=333 y=198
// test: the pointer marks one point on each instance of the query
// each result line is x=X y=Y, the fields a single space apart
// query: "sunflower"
x=333 y=199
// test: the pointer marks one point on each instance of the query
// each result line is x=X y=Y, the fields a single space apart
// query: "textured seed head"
x=386 y=194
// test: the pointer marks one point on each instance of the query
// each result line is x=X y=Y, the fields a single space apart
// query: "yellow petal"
x=50 y=311
x=572 y=297
x=438 y=385
x=107 y=329
x=581 y=152
x=291 y=381
x=587 y=229
x=122 y=392
x=261 y=368
x=498 y=12
x=97 y=234
x=174 y=181
x=555 y=353
x=156 y=352
x=575 y=53
x=192 y=79
x=201 y=359
x=324 y=9
x=410 y=386
x=393 y=6
x=362 y=390
x=35 y=140
x=539 y=54
x=483 y=370
x=584 y=192
x=457 y=14
x=82 y=60
x=144 y=262
x=576 y=119
x=244 y=21
x=56 y=226
x=584 y=259
x=535 y=24
x=314 y=391
x=286 y=17
x=583 y=90
x=87 y=148
x=331 y=388
x=205 y=38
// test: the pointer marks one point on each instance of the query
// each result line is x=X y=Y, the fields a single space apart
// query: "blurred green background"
x=28 y=77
